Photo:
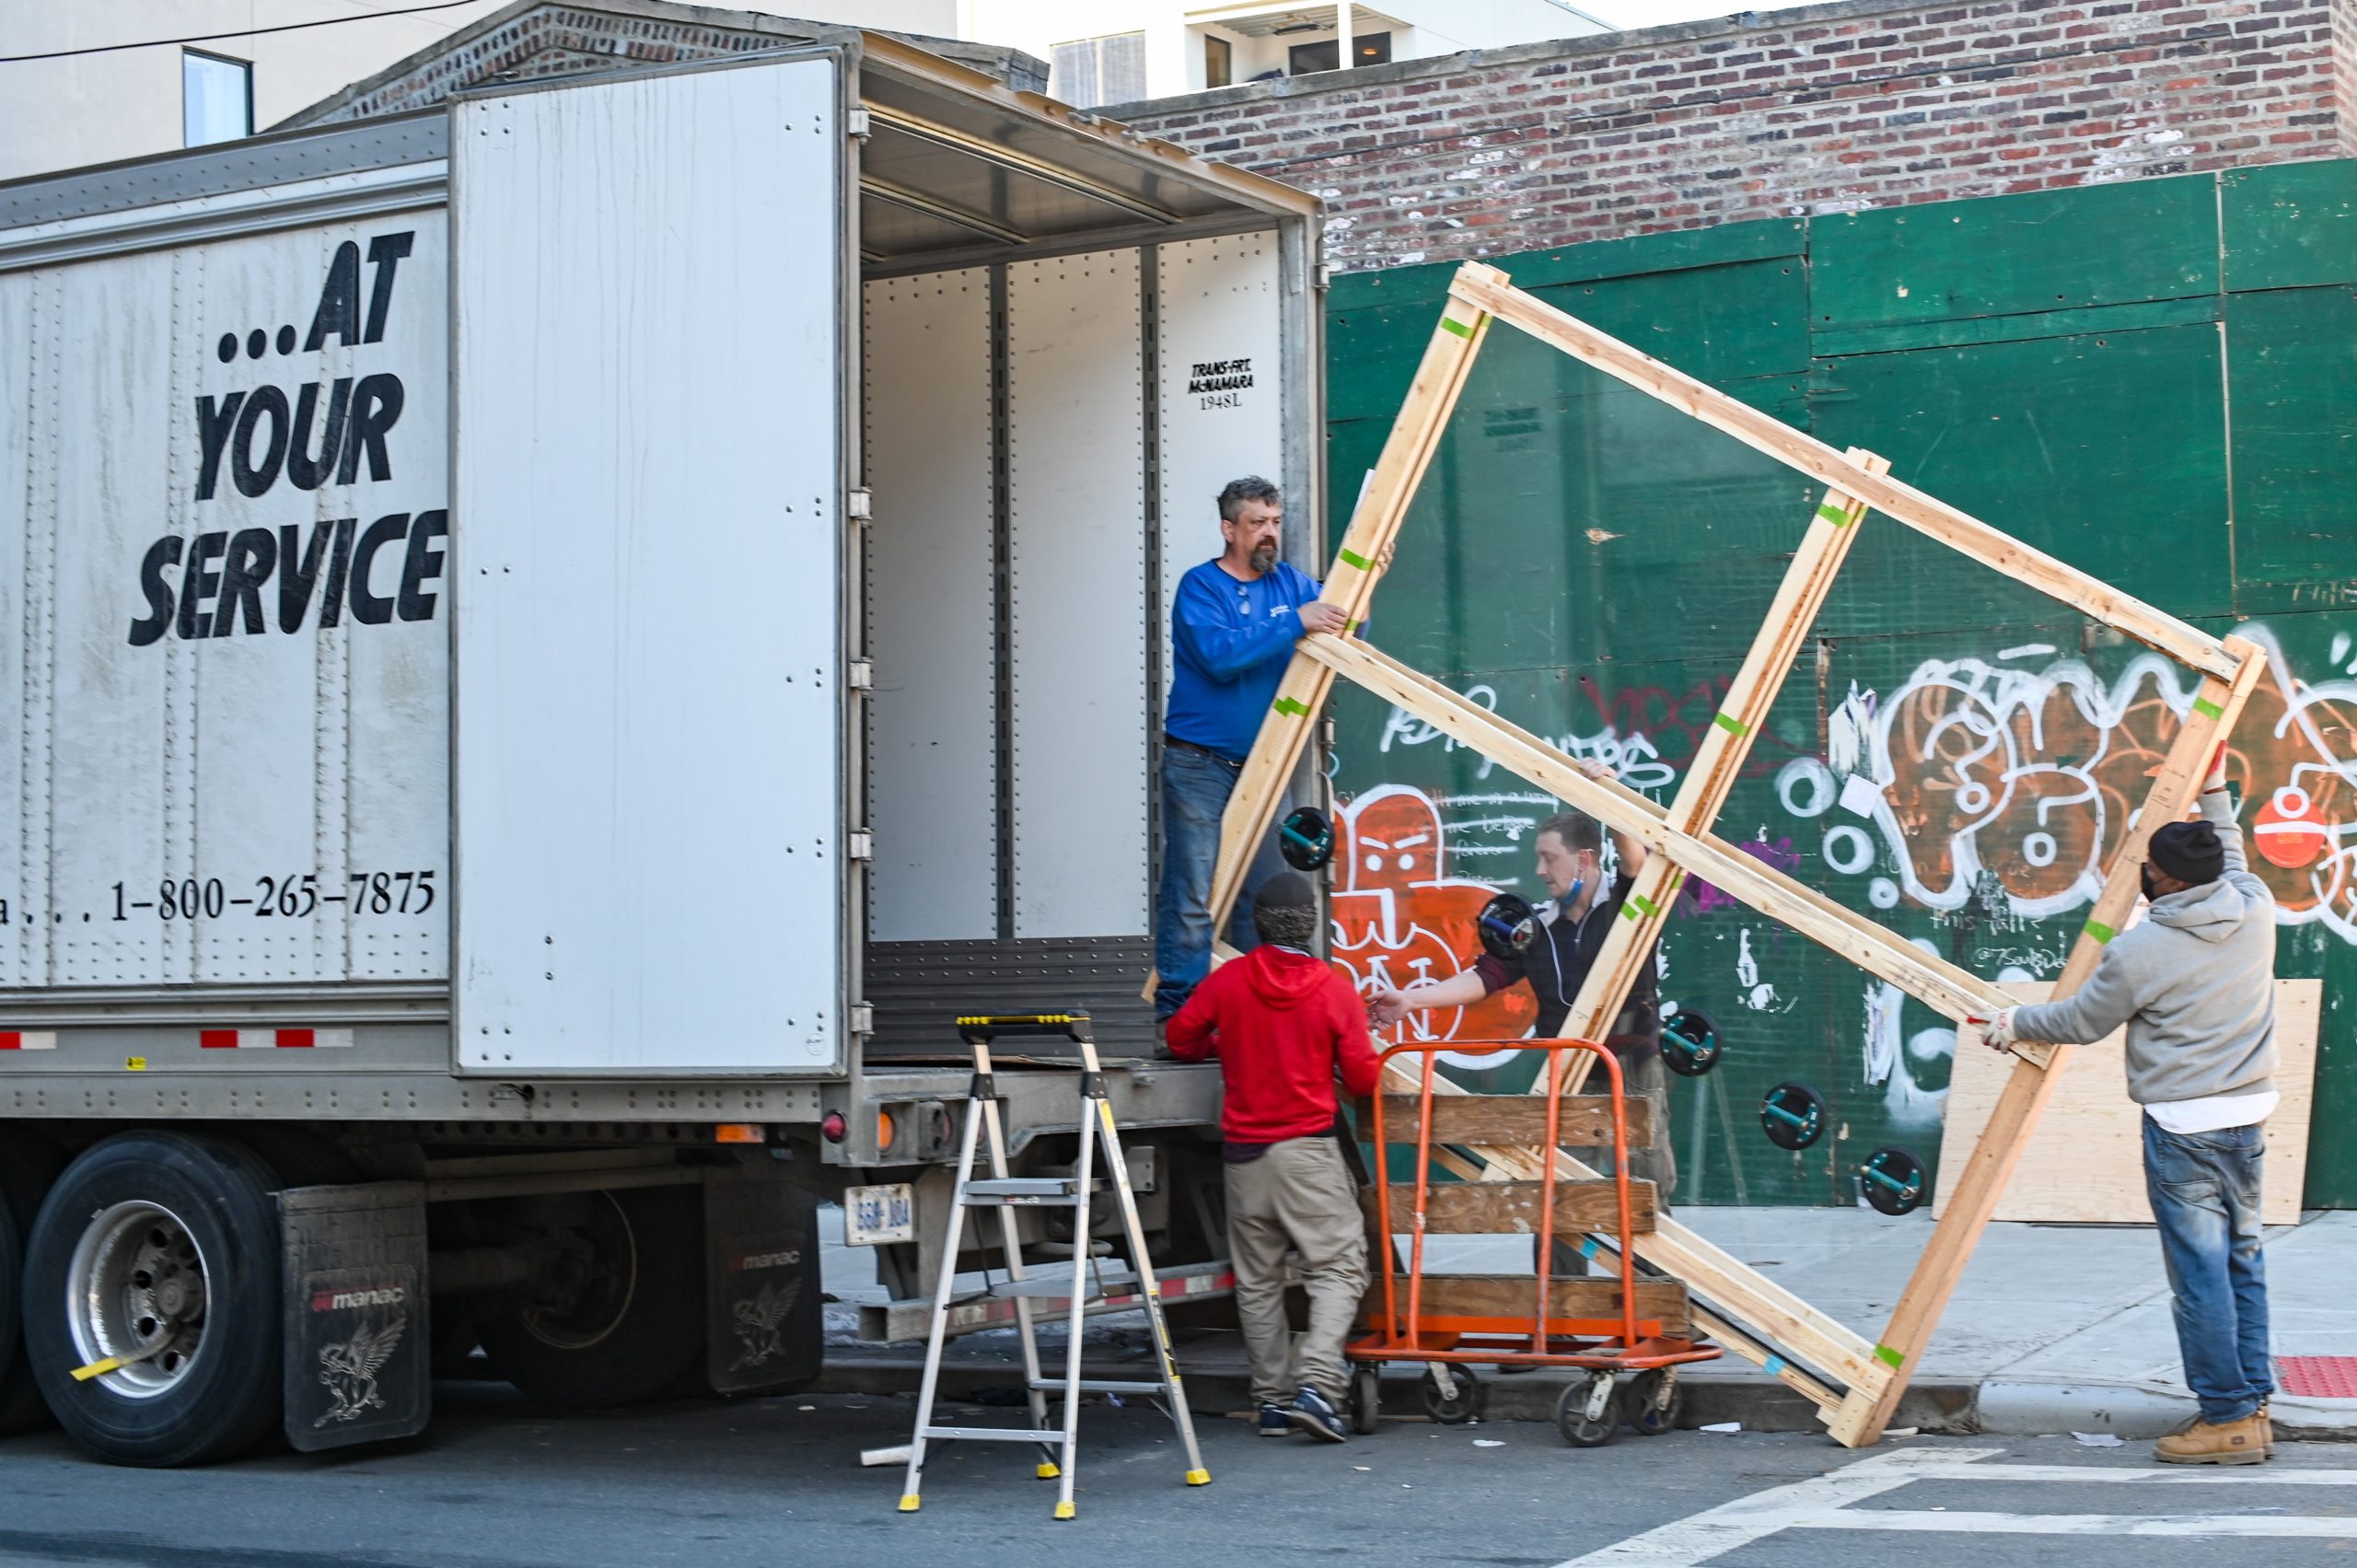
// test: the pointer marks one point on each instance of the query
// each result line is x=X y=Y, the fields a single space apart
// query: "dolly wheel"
x=1571 y=1419
x=1366 y=1400
x=1466 y=1405
x=1653 y=1400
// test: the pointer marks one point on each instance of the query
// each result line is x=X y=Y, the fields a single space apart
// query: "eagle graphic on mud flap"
x=348 y=1370
x=757 y=1321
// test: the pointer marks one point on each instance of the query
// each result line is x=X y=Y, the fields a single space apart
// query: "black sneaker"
x=1315 y=1413
x=1274 y=1423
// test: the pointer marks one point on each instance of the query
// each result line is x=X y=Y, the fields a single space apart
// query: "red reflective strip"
x=217 y=1039
x=11 y=1040
x=297 y=1038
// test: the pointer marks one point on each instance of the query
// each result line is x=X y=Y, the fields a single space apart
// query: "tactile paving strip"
x=2318 y=1377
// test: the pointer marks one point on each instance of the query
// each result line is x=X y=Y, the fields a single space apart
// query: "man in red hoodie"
x=1284 y=1025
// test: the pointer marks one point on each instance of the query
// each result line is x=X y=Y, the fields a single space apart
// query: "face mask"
x=1568 y=900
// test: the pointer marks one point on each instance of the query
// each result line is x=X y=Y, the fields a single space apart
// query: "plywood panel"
x=1521 y=1119
x=1510 y=1295
x=2086 y=1163
x=1510 y=1208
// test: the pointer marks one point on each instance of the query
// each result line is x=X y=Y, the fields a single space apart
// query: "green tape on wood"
x=1352 y=558
x=1731 y=725
x=1460 y=328
x=1888 y=1357
x=1291 y=708
x=1838 y=515
x=1349 y=627
x=2099 y=930
x=1643 y=905
x=2208 y=709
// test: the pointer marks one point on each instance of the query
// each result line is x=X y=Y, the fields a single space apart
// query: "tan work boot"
x=2266 y=1428
x=2240 y=1442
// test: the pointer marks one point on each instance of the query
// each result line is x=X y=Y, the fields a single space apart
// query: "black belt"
x=1169 y=740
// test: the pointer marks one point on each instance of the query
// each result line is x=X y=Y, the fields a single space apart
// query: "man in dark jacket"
x=1571 y=928
x=2195 y=985
x=1284 y=1025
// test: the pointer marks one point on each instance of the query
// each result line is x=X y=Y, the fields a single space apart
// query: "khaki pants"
x=1298 y=1195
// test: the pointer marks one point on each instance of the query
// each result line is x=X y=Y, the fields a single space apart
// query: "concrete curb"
x=2012 y=1408
x=1760 y=1404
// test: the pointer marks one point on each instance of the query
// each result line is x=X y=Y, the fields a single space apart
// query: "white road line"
x=1701 y=1537
x=1957 y=1523
x=1823 y=1502
x=2180 y=1475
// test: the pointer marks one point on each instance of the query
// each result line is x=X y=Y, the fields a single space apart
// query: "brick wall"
x=1821 y=109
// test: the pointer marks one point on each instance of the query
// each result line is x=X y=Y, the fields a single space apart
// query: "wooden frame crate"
x=1856 y=1382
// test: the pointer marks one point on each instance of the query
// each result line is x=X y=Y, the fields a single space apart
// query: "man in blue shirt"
x=1232 y=631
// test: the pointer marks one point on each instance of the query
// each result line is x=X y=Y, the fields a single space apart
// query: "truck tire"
x=635 y=1329
x=167 y=1244
x=27 y=1167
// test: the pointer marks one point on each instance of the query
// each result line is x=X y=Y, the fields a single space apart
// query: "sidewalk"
x=2053 y=1328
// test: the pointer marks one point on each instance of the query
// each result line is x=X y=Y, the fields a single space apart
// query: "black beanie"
x=1286 y=910
x=2188 y=851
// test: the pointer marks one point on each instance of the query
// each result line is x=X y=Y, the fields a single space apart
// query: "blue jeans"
x=1195 y=788
x=2204 y=1188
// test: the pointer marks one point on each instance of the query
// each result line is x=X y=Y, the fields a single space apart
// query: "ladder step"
x=1096 y=1386
x=1024 y=1187
x=1060 y=1285
x=990 y=1434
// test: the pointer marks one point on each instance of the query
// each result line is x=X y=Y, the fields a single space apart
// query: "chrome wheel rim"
x=138 y=1291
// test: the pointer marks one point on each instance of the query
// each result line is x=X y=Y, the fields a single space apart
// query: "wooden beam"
x=1932 y=981
x=1718 y=763
x=1973 y=1191
x=1584 y=1122
x=1350 y=584
x=1510 y=1208
x=1926 y=514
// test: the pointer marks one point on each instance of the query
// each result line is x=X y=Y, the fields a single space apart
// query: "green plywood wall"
x=2156 y=382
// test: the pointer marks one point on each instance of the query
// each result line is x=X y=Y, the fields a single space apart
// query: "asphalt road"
x=499 y=1484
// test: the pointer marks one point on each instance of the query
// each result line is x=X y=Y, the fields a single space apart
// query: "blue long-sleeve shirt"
x=1230 y=643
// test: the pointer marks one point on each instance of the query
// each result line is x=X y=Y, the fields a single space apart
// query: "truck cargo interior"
x=1071 y=340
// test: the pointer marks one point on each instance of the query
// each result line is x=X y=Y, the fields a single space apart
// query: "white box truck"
x=548 y=647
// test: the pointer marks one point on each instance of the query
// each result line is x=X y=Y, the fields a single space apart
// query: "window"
x=1219 y=62
x=1367 y=49
x=1092 y=71
x=216 y=99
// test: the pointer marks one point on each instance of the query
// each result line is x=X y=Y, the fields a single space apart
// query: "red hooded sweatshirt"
x=1281 y=1024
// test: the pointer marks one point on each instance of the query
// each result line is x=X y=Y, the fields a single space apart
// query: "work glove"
x=2217 y=779
x=1997 y=1033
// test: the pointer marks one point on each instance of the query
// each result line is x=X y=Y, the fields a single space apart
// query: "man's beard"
x=2145 y=875
x=1263 y=556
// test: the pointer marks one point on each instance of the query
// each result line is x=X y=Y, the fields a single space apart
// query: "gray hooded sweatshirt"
x=2195 y=985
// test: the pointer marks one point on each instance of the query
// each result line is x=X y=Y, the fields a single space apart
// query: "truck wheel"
x=27 y=1167
x=161 y=1249
x=625 y=1323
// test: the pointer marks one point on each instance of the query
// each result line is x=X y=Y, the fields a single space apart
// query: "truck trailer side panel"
x=221 y=711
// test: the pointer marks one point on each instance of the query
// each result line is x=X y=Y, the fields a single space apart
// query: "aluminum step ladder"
x=1059 y=1450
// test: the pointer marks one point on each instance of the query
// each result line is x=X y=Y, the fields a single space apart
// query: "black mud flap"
x=357 y=1361
x=767 y=1323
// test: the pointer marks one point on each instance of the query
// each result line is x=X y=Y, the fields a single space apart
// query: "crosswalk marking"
x=1826 y=1502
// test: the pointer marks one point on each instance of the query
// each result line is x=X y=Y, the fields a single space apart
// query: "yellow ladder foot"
x=1049 y=1472
x=1063 y=1510
x=909 y=1504
x=1199 y=1478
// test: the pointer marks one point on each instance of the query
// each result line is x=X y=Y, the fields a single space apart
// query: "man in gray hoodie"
x=2195 y=985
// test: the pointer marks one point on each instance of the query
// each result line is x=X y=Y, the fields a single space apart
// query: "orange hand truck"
x=1451 y=1322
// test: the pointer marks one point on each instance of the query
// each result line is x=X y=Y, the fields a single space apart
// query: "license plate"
x=876 y=1214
